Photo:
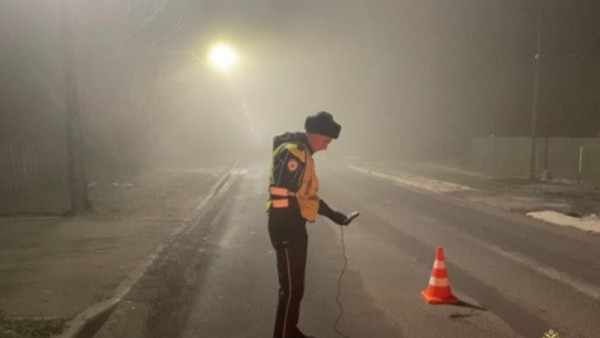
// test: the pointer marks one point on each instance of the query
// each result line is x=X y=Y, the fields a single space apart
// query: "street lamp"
x=222 y=57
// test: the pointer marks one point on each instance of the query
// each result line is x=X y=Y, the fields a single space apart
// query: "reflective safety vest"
x=283 y=187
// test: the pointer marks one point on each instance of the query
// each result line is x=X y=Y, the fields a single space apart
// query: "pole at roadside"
x=534 y=105
x=74 y=134
x=580 y=165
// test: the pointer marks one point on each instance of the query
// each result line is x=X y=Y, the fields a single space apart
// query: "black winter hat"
x=322 y=123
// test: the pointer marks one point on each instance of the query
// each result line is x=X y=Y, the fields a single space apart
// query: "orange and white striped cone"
x=438 y=291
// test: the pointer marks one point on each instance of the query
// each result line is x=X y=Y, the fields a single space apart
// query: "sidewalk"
x=54 y=268
x=574 y=205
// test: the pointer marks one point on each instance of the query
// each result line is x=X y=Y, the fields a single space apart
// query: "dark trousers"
x=289 y=238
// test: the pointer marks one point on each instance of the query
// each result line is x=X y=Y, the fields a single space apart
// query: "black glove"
x=335 y=216
x=339 y=218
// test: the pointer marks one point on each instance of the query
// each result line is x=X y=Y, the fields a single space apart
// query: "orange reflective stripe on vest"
x=280 y=203
x=279 y=191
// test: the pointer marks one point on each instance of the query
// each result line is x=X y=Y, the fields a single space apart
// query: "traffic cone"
x=438 y=291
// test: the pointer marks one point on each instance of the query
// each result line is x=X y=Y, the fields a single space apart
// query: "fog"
x=406 y=79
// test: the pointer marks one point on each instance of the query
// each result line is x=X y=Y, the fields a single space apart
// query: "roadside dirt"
x=155 y=194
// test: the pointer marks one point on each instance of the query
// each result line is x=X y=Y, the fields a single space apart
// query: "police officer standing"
x=293 y=200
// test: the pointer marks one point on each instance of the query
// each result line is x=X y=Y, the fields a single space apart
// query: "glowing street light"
x=222 y=57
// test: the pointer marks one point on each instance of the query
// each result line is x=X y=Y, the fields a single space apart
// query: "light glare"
x=222 y=57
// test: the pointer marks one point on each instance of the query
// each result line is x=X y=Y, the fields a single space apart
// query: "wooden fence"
x=32 y=179
x=19 y=170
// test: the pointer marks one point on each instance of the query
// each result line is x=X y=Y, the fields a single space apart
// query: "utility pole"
x=534 y=105
x=74 y=135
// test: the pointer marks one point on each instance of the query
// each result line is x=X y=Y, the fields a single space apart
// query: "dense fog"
x=406 y=79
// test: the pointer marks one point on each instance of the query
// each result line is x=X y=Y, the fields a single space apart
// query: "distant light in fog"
x=222 y=57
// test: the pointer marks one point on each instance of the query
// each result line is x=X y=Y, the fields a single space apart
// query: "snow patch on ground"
x=590 y=223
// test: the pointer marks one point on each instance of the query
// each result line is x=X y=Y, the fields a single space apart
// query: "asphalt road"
x=515 y=277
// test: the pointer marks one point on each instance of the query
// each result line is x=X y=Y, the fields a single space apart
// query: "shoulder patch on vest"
x=292 y=165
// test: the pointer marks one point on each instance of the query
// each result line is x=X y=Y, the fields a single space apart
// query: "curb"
x=86 y=323
x=420 y=182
